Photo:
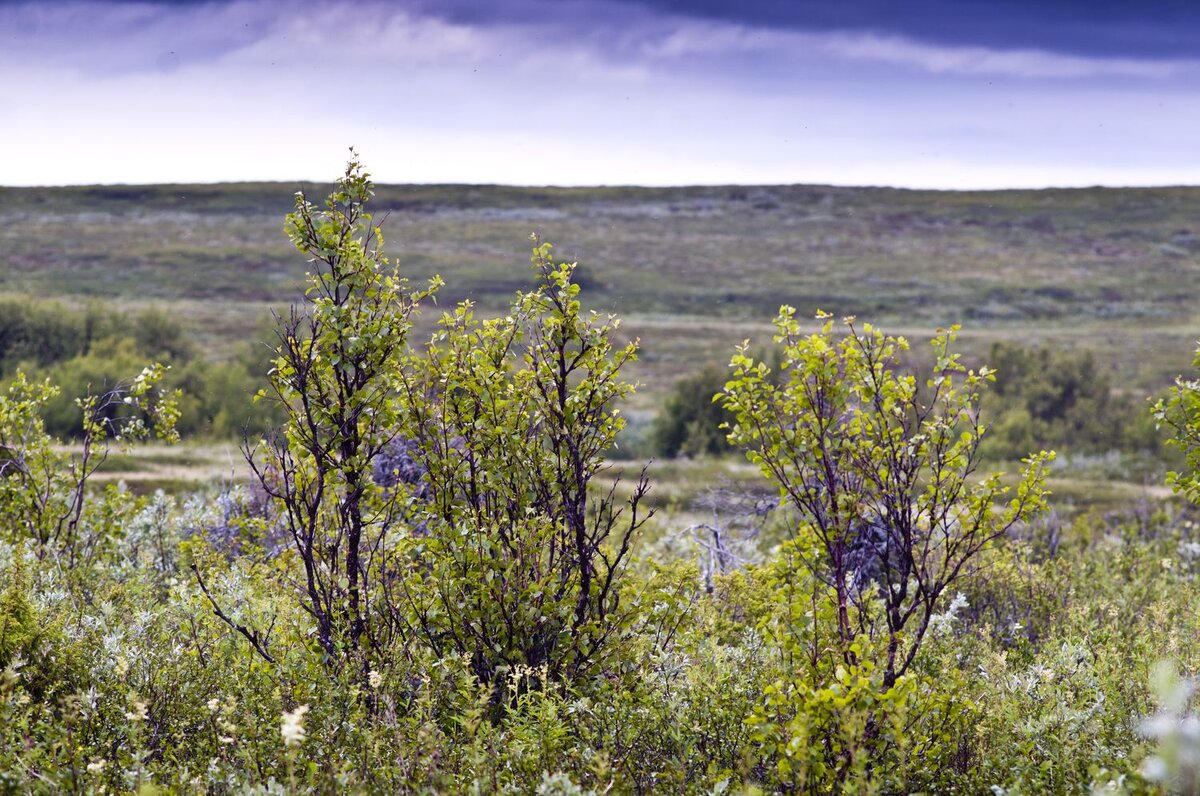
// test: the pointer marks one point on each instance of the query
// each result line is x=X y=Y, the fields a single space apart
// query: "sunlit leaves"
x=1180 y=413
x=857 y=447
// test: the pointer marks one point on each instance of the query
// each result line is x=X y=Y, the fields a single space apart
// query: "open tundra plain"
x=691 y=271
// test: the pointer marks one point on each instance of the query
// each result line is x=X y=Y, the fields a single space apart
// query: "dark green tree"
x=690 y=422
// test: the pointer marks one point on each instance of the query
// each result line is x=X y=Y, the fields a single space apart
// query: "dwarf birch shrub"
x=331 y=379
x=881 y=472
x=491 y=546
x=514 y=562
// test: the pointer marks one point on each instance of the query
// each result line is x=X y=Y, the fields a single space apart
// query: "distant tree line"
x=87 y=350
x=1062 y=399
x=1041 y=398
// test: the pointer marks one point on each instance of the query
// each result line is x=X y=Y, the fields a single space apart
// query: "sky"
x=954 y=94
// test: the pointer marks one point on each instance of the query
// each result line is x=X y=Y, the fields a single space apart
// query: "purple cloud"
x=591 y=92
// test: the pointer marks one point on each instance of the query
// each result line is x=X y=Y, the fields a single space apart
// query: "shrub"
x=516 y=564
x=690 y=421
x=889 y=515
x=1179 y=412
x=880 y=471
x=1047 y=397
x=332 y=380
x=43 y=489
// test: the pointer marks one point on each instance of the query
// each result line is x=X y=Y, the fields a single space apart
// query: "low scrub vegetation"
x=431 y=586
x=91 y=349
x=1037 y=398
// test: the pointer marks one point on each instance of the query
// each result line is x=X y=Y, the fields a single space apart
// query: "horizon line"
x=619 y=186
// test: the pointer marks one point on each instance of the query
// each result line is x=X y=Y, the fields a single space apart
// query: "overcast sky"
x=919 y=93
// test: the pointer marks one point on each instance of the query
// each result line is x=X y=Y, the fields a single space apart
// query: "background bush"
x=91 y=349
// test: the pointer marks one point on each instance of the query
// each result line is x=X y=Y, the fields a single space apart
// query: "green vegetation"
x=692 y=270
x=691 y=422
x=435 y=581
x=1180 y=411
x=1060 y=399
x=91 y=349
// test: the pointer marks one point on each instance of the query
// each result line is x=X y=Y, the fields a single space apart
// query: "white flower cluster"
x=138 y=710
x=293 y=726
x=1176 y=762
x=943 y=622
x=223 y=716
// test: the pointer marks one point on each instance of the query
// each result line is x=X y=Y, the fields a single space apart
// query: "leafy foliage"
x=91 y=350
x=690 y=421
x=518 y=565
x=43 y=488
x=1180 y=412
x=1045 y=397
x=881 y=473
x=332 y=379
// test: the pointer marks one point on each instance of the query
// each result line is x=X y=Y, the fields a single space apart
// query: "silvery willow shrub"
x=1176 y=732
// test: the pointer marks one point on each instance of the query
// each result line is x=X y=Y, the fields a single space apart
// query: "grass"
x=176 y=468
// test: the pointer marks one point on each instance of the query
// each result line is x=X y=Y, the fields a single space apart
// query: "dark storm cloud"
x=1153 y=29
x=108 y=37
x=1121 y=28
x=714 y=40
x=907 y=92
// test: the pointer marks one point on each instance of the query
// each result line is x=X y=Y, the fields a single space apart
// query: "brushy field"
x=691 y=271
x=453 y=571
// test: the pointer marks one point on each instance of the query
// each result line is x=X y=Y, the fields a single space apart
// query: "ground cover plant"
x=438 y=579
